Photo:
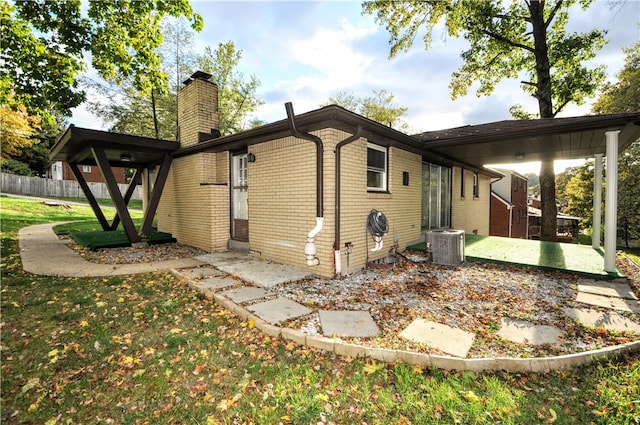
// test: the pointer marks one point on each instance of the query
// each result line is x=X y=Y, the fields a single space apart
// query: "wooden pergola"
x=81 y=146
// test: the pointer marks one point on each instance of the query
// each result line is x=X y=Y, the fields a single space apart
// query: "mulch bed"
x=473 y=296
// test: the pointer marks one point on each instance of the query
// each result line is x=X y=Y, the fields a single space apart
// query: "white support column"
x=597 y=202
x=611 y=202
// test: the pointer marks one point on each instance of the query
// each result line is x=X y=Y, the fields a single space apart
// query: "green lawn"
x=148 y=349
x=571 y=258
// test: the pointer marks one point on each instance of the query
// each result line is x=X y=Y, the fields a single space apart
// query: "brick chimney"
x=197 y=108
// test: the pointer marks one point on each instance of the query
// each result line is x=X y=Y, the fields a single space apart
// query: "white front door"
x=239 y=198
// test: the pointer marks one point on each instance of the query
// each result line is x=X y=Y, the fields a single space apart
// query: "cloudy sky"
x=305 y=51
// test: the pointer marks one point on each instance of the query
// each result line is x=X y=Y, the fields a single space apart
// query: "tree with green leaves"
x=624 y=96
x=575 y=189
x=508 y=40
x=378 y=107
x=43 y=45
x=237 y=94
x=132 y=112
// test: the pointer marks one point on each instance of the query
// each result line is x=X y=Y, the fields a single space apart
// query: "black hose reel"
x=378 y=227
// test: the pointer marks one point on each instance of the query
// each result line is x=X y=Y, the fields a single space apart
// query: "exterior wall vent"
x=447 y=246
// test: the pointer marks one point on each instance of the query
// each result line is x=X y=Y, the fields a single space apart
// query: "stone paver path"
x=215 y=283
x=611 y=321
x=200 y=273
x=521 y=331
x=347 y=323
x=615 y=295
x=609 y=289
x=279 y=310
x=244 y=294
x=613 y=303
x=450 y=340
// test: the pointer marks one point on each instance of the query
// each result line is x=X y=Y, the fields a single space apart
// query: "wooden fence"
x=36 y=186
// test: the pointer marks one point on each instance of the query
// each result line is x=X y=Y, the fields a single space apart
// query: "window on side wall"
x=476 y=185
x=86 y=168
x=376 y=168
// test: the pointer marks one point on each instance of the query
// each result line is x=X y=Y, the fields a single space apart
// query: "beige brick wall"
x=470 y=213
x=194 y=206
x=401 y=205
x=195 y=213
x=282 y=196
x=197 y=110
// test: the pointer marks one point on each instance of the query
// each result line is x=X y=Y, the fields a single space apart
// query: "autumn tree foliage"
x=44 y=44
x=526 y=40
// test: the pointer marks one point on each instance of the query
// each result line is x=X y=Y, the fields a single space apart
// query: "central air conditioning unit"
x=446 y=246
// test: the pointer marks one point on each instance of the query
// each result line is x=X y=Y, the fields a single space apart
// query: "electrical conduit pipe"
x=310 y=247
x=336 y=244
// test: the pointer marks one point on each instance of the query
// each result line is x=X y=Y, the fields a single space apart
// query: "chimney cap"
x=198 y=75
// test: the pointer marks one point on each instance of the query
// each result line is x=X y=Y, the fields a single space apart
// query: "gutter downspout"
x=336 y=244
x=310 y=247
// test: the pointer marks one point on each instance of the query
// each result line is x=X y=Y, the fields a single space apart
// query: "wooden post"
x=92 y=200
x=121 y=207
x=154 y=199
x=127 y=196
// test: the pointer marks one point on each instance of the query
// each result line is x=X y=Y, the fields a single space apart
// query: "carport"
x=81 y=146
x=511 y=141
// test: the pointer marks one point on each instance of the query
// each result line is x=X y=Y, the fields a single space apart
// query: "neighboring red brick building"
x=61 y=171
x=509 y=215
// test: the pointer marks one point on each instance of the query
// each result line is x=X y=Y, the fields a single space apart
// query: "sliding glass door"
x=436 y=196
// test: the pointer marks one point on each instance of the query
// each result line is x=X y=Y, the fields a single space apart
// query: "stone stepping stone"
x=279 y=310
x=348 y=323
x=610 y=320
x=264 y=273
x=609 y=289
x=245 y=293
x=453 y=341
x=521 y=331
x=216 y=283
x=613 y=303
x=202 y=273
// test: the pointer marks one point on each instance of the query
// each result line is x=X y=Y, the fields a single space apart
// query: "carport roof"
x=532 y=140
x=122 y=150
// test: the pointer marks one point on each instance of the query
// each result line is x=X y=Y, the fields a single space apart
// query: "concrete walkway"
x=43 y=253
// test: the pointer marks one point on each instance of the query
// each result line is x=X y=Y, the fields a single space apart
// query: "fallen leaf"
x=373 y=368
x=31 y=383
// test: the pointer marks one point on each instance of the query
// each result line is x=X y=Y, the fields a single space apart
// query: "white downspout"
x=310 y=246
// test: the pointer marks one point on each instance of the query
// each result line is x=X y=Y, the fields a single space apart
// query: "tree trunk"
x=548 y=230
x=155 y=115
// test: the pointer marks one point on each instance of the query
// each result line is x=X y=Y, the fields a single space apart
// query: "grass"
x=114 y=239
x=148 y=349
x=133 y=203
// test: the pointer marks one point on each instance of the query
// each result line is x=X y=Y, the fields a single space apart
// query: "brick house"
x=329 y=189
x=508 y=211
x=61 y=171
x=300 y=191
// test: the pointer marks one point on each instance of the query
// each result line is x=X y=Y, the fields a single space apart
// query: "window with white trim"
x=86 y=168
x=376 y=168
